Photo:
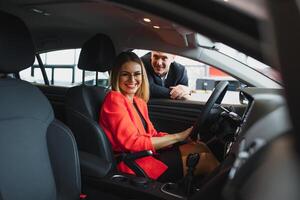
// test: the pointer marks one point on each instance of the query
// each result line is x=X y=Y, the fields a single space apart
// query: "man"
x=167 y=78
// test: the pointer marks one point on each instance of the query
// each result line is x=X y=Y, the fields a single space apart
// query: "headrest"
x=97 y=54
x=16 y=46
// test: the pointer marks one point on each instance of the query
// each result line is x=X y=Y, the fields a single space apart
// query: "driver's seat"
x=83 y=104
x=39 y=158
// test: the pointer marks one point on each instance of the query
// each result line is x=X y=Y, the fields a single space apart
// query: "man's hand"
x=180 y=92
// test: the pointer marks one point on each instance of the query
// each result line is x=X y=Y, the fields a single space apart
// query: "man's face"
x=161 y=62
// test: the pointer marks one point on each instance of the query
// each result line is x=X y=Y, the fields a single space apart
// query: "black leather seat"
x=83 y=103
x=39 y=158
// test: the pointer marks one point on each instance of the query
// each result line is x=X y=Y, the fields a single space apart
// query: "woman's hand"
x=181 y=136
x=169 y=139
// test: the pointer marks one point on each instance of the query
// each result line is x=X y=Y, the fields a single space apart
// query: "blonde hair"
x=124 y=57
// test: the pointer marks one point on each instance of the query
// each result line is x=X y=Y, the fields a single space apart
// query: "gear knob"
x=192 y=160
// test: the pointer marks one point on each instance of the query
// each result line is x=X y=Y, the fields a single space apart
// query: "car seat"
x=39 y=158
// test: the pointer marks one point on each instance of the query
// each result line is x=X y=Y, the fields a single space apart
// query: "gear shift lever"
x=191 y=162
x=184 y=186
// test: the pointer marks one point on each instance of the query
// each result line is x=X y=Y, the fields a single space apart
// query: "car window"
x=61 y=69
x=203 y=78
x=249 y=61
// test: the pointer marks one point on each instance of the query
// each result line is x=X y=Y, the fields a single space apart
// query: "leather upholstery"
x=64 y=160
x=86 y=100
x=97 y=54
x=83 y=104
x=82 y=112
x=39 y=158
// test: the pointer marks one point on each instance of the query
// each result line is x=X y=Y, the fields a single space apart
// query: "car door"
x=173 y=115
x=176 y=115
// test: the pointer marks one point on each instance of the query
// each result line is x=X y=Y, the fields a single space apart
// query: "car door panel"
x=175 y=115
x=56 y=96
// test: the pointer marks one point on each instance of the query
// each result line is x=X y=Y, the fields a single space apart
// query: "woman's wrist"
x=177 y=137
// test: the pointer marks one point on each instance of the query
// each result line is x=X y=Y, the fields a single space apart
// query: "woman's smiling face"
x=130 y=78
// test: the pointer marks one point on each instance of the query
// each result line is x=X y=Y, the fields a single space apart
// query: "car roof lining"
x=62 y=30
x=73 y=28
x=228 y=24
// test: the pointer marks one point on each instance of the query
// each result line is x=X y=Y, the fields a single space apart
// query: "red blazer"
x=124 y=129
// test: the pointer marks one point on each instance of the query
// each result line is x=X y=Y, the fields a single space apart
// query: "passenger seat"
x=39 y=157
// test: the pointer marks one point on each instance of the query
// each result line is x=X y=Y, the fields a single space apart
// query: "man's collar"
x=164 y=77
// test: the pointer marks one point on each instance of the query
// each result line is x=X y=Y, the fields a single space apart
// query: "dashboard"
x=264 y=119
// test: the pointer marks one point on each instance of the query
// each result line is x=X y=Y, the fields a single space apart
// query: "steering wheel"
x=215 y=98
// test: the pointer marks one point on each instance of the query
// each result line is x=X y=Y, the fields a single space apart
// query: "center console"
x=130 y=186
x=99 y=176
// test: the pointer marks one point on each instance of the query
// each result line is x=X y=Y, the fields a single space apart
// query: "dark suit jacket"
x=177 y=75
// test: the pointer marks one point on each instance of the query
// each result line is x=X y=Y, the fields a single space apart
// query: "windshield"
x=249 y=61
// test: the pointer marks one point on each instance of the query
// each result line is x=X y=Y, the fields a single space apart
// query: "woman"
x=125 y=120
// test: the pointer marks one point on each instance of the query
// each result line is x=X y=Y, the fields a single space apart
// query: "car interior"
x=51 y=144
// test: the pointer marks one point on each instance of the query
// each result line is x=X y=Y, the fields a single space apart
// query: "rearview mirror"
x=203 y=41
